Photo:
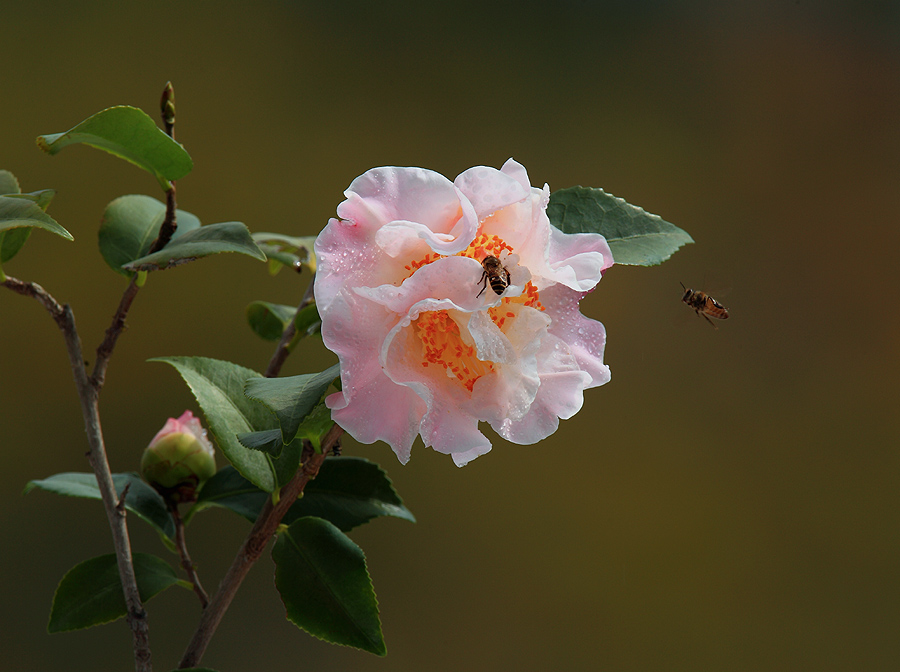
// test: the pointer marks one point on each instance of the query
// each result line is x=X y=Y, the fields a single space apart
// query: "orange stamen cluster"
x=439 y=333
x=443 y=346
x=485 y=246
x=414 y=266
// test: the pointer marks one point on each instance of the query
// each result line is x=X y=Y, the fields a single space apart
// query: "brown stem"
x=105 y=349
x=169 y=225
x=186 y=562
x=284 y=345
x=268 y=521
x=88 y=395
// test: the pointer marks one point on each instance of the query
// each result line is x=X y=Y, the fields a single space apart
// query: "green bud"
x=179 y=459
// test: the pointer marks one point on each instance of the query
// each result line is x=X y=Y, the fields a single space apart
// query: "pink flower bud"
x=179 y=459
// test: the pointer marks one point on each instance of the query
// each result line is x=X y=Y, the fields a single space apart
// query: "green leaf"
x=130 y=134
x=91 y=592
x=315 y=425
x=292 y=398
x=11 y=242
x=348 y=492
x=129 y=226
x=16 y=212
x=307 y=320
x=268 y=441
x=12 y=239
x=194 y=669
x=219 y=389
x=8 y=183
x=41 y=198
x=230 y=490
x=287 y=250
x=268 y=320
x=141 y=500
x=325 y=586
x=635 y=237
x=202 y=242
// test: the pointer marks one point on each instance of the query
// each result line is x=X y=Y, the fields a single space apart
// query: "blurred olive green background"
x=729 y=501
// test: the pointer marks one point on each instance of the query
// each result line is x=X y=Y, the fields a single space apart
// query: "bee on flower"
x=423 y=352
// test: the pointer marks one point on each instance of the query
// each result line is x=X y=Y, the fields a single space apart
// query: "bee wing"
x=715 y=309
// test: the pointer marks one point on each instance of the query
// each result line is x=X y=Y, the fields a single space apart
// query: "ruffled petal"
x=370 y=406
x=489 y=190
x=578 y=259
x=560 y=395
x=585 y=338
x=384 y=195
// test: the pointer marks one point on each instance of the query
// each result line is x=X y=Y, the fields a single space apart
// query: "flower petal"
x=489 y=190
x=585 y=338
x=370 y=406
x=424 y=349
x=384 y=195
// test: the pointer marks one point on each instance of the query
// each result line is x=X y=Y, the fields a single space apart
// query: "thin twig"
x=88 y=395
x=105 y=349
x=186 y=562
x=169 y=225
x=120 y=507
x=284 y=345
x=268 y=521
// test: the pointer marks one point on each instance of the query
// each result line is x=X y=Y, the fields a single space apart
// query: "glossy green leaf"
x=292 y=398
x=202 y=242
x=635 y=236
x=131 y=224
x=141 y=500
x=91 y=592
x=288 y=251
x=128 y=133
x=219 y=389
x=325 y=585
x=348 y=492
x=268 y=320
x=16 y=212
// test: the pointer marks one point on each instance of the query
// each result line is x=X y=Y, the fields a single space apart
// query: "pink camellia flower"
x=431 y=340
x=179 y=458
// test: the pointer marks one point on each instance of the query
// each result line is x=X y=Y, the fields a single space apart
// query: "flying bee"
x=704 y=305
x=495 y=273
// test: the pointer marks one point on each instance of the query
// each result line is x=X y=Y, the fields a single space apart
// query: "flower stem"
x=186 y=562
x=287 y=337
x=88 y=394
x=266 y=524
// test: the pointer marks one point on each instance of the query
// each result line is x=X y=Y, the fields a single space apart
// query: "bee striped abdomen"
x=704 y=305
x=495 y=273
